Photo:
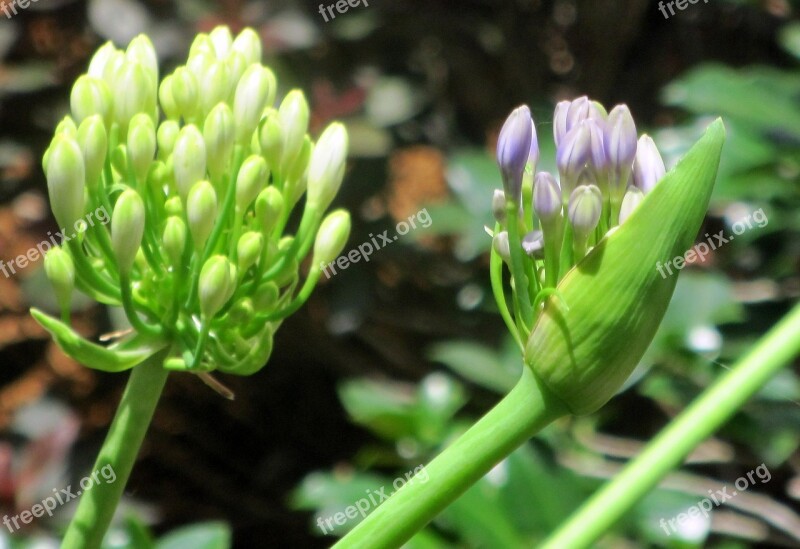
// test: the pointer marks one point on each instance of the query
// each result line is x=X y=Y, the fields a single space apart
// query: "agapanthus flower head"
x=200 y=174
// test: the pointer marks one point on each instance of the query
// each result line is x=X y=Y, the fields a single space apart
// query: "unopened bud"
x=248 y=249
x=66 y=174
x=141 y=145
x=648 y=168
x=131 y=93
x=499 y=206
x=620 y=143
x=222 y=39
x=218 y=134
x=585 y=208
x=572 y=155
x=533 y=244
x=215 y=85
x=60 y=271
x=513 y=149
x=93 y=142
x=268 y=209
x=90 y=96
x=501 y=246
x=185 y=93
x=127 y=228
x=251 y=180
x=248 y=43
x=293 y=115
x=141 y=50
x=189 y=159
x=201 y=212
x=166 y=137
x=633 y=197
x=331 y=238
x=175 y=240
x=216 y=284
x=270 y=138
x=546 y=197
x=252 y=93
x=326 y=167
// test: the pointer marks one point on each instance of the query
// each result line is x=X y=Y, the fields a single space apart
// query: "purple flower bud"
x=648 y=167
x=533 y=244
x=585 y=207
x=598 y=158
x=560 y=121
x=513 y=149
x=620 y=144
x=633 y=198
x=533 y=155
x=546 y=197
x=572 y=155
x=579 y=110
x=499 y=206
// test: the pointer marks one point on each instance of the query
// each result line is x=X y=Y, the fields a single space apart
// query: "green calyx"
x=200 y=175
x=615 y=296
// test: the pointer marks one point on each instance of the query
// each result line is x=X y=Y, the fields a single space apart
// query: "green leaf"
x=616 y=295
x=477 y=363
x=207 y=535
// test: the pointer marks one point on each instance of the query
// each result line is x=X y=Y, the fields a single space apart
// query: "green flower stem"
x=707 y=413
x=97 y=505
x=528 y=408
x=517 y=267
x=496 y=276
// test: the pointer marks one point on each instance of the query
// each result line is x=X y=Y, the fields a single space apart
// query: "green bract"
x=615 y=297
x=198 y=173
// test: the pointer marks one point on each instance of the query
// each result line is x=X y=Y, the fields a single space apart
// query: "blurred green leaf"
x=206 y=535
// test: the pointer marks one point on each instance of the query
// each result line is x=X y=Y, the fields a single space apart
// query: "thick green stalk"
x=528 y=408
x=668 y=450
x=119 y=451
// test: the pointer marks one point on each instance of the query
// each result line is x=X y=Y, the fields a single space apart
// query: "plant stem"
x=668 y=450
x=119 y=451
x=528 y=408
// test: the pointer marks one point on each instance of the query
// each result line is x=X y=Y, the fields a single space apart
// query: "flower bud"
x=251 y=179
x=185 y=92
x=100 y=59
x=598 y=159
x=546 y=197
x=501 y=246
x=141 y=145
x=633 y=197
x=252 y=94
x=189 y=159
x=166 y=99
x=533 y=244
x=218 y=134
x=216 y=284
x=222 y=40
x=201 y=212
x=268 y=209
x=127 y=228
x=572 y=155
x=90 y=96
x=270 y=138
x=326 y=167
x=648 y=167
x=202 y=44
x=131 y=93
x=141 y=50
x=216 y=84
x=66 y=174
x=93 y=142
x=174 y=239
x=295 y=177
x=67 y=128
x=174 y=206
x=112 y=69
x=499 y=206
x=620 y=144
x=248 y=43
x=513 y=149
x=60 y=271
x=293 y=115
x=166 y=137
x=248 y=249
x=331 y=238
x=560 y=121
x=585 y=207
x=267 y=297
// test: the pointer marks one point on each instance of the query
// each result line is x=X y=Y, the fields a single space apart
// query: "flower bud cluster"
x=546 y=223
x=202 y=172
